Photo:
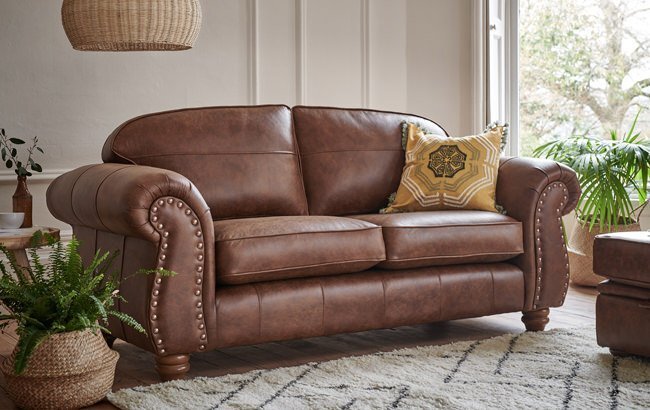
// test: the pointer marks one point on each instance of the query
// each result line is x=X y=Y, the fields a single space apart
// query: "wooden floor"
x=136 y=366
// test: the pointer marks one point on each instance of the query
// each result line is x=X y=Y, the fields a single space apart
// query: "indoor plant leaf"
x=62 y=297
x=610 y=172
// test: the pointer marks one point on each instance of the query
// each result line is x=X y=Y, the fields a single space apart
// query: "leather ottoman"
x=623 y=305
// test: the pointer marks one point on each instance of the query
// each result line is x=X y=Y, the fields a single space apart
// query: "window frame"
x=481 y=65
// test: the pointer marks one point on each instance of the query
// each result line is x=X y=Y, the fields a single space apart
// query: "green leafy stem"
x=9 y=154
x=63 y=296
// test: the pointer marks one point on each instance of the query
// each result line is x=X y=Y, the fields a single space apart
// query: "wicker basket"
x=131 y=25
x=68 y=370
x=581 y=253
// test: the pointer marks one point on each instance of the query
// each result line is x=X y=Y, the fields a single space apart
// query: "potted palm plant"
x=612 y=173
x=61 y=359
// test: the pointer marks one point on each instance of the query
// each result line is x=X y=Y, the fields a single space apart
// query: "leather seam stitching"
x=383 y=288
x=307 y=108
x=97 y=194
x=322 y=292
x=213 y=154
x=259 y=311
x=72 y=195
x=454 y=256
x=493 y=291
x=300 y=267
x=440 y=297
x=515 y=224
x=294 y=139
x=370 y=228
x=352 y=150
x=617 y=279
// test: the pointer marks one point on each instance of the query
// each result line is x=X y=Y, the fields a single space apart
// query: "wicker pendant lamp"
x=131 y=25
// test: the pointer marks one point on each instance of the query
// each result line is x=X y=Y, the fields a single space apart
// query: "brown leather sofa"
x=269 y=215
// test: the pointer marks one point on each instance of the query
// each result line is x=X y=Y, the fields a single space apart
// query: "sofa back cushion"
x=352 y=159
x=243 y=160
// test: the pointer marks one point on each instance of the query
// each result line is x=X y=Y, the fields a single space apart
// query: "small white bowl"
x=11 y=220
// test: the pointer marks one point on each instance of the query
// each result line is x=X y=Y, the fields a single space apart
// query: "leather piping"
x=344 y=261
x=351 y=150
x=433 y=258
x=201 y=154
x=320 y=107
x=370 y=228
x=513 y=223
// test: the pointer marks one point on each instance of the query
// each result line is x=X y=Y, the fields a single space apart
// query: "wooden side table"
x=18 y=240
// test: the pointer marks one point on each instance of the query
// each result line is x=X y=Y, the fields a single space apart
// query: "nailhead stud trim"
x=538 y=238
x=166 y=237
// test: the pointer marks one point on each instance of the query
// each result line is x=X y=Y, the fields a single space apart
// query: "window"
x=584 y=68
x=501 y=90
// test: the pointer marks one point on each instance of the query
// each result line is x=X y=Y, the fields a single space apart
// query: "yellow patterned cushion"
x=448 y=173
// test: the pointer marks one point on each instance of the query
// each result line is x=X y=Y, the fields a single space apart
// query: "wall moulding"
x=479 y=65
x=301 y=38
x=9 y=177
x=365 y=53
x=253 y=53
x=301 y=51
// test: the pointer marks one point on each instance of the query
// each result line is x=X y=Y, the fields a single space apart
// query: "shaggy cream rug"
x=557 y=369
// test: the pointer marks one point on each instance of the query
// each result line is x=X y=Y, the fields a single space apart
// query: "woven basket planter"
x=581 y=253
x=131 y=25
x=68 y=370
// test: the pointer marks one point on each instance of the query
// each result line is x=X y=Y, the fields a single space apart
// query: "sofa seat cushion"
x=272 y=248
x=420 y=239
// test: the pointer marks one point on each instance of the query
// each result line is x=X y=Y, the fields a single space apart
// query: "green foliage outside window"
x=584 y=68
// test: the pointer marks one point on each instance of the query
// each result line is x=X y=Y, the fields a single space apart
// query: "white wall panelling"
x=479 y=65
x=276 y=64
x=439 y=74
x=333 y=51
x=397 y=55
x=301 y=50
x=512 y=73
x=253 y=52
x=386 y=72
x=365 y=53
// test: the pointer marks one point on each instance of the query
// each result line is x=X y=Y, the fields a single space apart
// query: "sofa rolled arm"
x=538 y=192
x=165 y=209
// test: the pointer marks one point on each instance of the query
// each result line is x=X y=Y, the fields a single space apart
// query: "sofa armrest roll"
x=157 y=219
x=538 y=193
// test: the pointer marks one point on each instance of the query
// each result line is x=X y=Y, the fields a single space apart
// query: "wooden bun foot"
x=536 y=320
x=173 y=367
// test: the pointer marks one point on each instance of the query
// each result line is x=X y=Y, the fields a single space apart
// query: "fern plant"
x=62 y=297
